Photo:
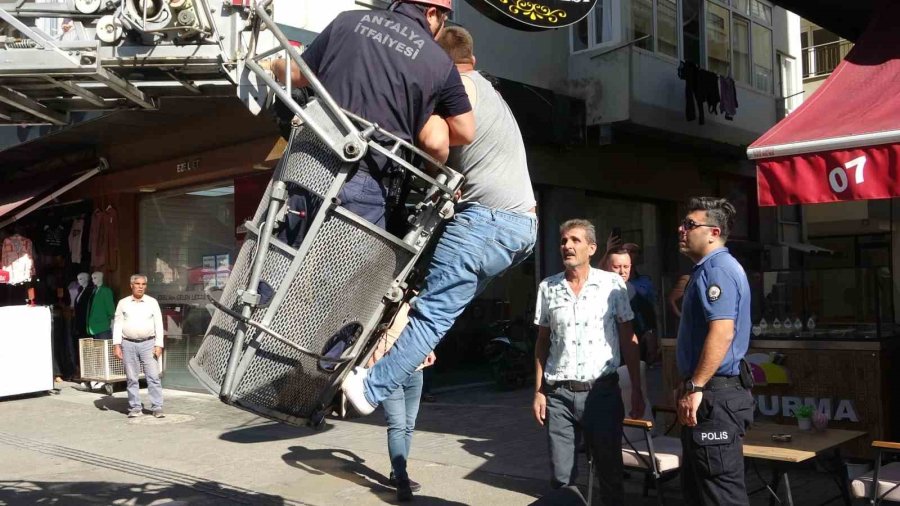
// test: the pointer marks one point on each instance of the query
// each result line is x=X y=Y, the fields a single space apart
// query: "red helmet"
x=443 y=4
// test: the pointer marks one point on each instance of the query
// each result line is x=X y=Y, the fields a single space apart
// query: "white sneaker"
x=355 y=392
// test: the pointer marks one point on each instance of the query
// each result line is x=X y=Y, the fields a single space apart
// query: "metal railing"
x=823 y=59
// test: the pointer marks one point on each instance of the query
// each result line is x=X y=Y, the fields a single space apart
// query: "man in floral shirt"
x=584 y=330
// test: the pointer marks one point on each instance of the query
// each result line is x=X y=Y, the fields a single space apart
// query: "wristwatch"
x=690 y=387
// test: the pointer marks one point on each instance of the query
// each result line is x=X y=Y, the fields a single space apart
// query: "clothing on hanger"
x=75 y=239
x=728 y=92
x=18 y=259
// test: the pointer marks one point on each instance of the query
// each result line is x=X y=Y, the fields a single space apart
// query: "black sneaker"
x=414 y=486
x=404 y=491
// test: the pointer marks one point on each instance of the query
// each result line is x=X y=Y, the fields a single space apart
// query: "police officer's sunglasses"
x=689 y=224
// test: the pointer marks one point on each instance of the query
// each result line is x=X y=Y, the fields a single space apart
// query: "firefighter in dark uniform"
x=715 y=406
x=385 y=66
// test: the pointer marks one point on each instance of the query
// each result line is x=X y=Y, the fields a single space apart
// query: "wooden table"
x=804 y=446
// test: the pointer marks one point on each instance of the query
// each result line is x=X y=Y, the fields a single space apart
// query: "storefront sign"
x=833 y=409
x=187 y=166
x=534 y=16
x=186 y=297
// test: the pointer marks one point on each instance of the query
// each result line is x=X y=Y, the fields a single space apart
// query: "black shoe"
x=404 y=491
x=414 y=486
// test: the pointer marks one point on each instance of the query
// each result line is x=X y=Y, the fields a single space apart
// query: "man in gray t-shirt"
x=493 y=229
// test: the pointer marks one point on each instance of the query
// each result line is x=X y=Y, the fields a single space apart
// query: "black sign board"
x=534 y=16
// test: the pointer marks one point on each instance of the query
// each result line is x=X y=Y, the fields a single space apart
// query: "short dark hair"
x=458 y=43
x=720 y=212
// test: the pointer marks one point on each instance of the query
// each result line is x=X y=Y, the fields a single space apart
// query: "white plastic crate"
x=98 y=363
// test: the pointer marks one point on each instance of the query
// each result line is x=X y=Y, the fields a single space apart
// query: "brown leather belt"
x=585 y=386
x=138 y=340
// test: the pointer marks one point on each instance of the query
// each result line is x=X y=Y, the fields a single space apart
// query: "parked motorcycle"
x=511 y=354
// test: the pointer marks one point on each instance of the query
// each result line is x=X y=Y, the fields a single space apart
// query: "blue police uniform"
x=385 y=67
x=713 y=461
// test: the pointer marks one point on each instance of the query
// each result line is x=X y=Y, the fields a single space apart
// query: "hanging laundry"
x=709 y=90
x=688 y=71
x=728 y=92
x=18 y=259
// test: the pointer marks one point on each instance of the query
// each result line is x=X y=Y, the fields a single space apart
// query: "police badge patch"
x=713 y=293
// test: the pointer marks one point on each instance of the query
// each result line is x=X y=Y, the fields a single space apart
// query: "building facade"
x=600 y=104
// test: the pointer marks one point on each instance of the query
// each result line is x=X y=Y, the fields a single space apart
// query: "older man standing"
x=584 y=330
x=138 y=341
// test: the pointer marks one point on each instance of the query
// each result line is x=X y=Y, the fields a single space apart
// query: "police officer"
x=386 y=67
x=715 y=407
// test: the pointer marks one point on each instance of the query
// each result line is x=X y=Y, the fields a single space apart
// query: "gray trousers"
x=136 y=355
x=597 y=415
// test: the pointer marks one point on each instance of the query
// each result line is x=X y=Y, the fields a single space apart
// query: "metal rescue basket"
x=98 y=363
x=285 y=307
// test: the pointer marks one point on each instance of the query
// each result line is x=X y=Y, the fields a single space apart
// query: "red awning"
x=843 y=142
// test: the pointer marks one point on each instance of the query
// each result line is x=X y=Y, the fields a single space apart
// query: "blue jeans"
x=135 y=355
x=364 y=196
x=477 y=245
x=400 y=411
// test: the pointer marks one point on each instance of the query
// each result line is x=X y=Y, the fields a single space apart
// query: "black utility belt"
x=138 y=340
x=585 y=386
x=722 y=382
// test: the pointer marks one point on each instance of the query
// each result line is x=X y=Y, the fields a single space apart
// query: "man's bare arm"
x=462 y=129
x=718 y=341
x=541 y=351
x=434 y=138
x=631 y=355
x=278 y=67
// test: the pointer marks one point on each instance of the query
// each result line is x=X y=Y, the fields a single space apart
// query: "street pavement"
x=472 y=447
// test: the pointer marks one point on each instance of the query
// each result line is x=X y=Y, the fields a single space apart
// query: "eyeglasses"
x=689 y=224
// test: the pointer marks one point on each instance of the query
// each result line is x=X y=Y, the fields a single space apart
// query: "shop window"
x=186 y=244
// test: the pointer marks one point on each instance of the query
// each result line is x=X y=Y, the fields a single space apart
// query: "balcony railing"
x=823 y=59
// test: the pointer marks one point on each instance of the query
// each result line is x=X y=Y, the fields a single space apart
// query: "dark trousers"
x=597 y=415
x=712 y=469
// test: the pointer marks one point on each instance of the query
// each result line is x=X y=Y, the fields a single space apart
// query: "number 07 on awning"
x=843 y=142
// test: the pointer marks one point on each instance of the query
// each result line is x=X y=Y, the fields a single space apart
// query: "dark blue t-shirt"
x=386 y=67
x=718 y=290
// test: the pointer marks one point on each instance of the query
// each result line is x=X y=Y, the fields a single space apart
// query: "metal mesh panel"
x=213 y=354
x=99 y=363
x=340 y=285
x=309 y=162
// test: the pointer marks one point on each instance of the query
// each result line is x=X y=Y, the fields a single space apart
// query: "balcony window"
x=718 y=52
x=740 y=36
x=667 y=27
x=642 y=22
x=761 y=11
x=741 y=6
x=762 y=58
x=823 y=51
x=593 y=30
x=690 y=28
